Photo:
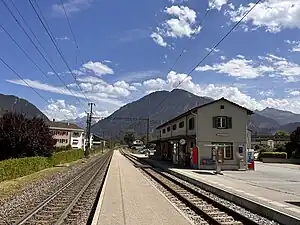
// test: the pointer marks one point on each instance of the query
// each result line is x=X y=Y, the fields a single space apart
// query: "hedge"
x=281 y=155
x=65 y=157
x=14 y=168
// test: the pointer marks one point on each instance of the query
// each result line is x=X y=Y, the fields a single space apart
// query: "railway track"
x=68 y=204
x=206 y=209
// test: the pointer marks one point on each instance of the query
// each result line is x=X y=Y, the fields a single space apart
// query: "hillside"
x=282 y=117
x=14 y=103
x=178 y=102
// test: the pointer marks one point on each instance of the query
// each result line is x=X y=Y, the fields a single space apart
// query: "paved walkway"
x=275 y=186
x=129 y=199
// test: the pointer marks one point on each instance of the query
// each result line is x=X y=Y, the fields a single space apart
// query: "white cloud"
x=181 y=24
x=217 y=4
x=296 y=45
x=267 y=93
x=238 y=67
x=71 y=6
x=214 y=50
x=271 y=65
x=158 y=39
x=94 y=94
x=217 y=91
x=295 y=93
x=61 y=110
x=98 y=68
x=65 y=38
x=273 y=15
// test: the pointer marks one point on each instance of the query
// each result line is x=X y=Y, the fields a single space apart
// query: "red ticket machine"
x=194 y=156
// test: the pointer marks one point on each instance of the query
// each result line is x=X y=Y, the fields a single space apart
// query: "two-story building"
x=218 y=123
x=67 y=134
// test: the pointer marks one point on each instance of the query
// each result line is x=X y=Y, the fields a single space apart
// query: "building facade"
x=67 y=134
x=218 y=123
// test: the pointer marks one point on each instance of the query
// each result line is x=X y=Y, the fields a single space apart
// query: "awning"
x=173 y=138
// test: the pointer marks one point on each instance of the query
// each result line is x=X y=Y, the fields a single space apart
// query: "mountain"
x=13 y=103
x=79 y=121
x=282 y=117
x=179 y=101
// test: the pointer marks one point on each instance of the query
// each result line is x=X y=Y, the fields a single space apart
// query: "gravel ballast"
x=35 y=192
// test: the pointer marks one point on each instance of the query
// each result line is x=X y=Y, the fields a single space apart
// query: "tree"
x=293 y=147
x=129 y=138
x=22 y=137
x=281 y=133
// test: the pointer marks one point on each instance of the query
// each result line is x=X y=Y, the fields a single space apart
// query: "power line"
x=183 y=49
x=33 y=34
x=71 y=30
x=16 y=73
x=36 y=47
x=57 y=48
x=215 y=46
x=16 y=43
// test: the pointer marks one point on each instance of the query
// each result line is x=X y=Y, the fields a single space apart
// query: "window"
x=181 y=124
x=168 y=129
x=164 y=131
x=228 y=150
x=222 y=122
x=174 y=126
x=221 y=106
x=191 y=123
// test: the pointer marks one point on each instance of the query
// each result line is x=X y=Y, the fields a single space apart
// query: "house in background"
x=67 y=134
x=219 y=122
x=96 y=141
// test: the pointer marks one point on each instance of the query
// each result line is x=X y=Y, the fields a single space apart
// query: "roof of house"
x=249 y=112
x=98 y=137
x=64 y=125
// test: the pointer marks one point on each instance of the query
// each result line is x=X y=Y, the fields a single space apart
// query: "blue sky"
x=126 y=50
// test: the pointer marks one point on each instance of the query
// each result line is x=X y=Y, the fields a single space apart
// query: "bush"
x=63 y=148
x=65 y=157
x=14 y=168
x=281 y=155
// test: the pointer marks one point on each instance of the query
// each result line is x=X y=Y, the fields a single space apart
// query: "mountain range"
x=10 y=103
x=133 y=116
x=178 y=101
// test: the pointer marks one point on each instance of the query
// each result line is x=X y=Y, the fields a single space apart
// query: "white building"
x=219 y=122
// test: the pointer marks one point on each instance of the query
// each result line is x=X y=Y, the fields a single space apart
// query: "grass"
x=11 y=187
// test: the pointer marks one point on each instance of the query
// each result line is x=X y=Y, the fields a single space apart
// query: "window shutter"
x=229 y=122
x=214 y=120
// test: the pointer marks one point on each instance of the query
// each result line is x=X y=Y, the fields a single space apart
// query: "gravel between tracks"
x=36 y=192
x=192 y=215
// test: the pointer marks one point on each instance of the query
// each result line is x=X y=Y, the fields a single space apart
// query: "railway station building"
x=190 y=139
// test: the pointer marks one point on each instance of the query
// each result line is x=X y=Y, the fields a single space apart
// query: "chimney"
x=53 y=120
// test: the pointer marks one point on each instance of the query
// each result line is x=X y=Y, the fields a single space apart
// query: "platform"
x=274 y=186
x=129 y=198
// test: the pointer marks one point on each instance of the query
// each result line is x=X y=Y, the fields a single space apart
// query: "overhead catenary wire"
x=20 y=47
x=185 y=50
x=212 y=49
x=39 y=51
x=18 y=75
x=71 y=30
x=48 y=30
x=33 y=34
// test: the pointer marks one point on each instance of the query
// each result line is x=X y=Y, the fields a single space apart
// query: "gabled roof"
x=64 y=125
x=249 y=112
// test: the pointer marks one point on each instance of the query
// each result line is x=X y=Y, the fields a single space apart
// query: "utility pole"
x=103 y=141
x=148 y=131
x=88 y=129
